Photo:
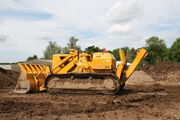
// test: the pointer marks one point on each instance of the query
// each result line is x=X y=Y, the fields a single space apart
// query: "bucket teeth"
x=31 y=78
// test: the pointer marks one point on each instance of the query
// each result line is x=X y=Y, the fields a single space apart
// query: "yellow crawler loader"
x=78 y=72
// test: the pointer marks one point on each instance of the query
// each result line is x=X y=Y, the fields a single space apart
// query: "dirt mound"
x=164 y=71
x=140 y=77
x=8 y=79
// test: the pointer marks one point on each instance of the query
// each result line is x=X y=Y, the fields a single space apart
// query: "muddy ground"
x=143 y=98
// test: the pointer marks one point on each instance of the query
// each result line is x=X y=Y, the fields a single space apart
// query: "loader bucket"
x=31 y=78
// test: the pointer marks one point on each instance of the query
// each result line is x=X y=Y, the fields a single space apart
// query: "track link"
x=84 y=83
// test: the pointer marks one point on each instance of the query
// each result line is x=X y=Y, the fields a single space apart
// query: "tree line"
x=156 y=47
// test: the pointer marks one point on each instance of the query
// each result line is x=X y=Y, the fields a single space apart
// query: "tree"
x=65 y=50
x=174 y=52
x=52 y=48
x=73 y=44
x=32 y=58
x=132 y=54
x=157 y=50
x=126 y=49
x=92 y=49
x=115 y=52
x=127 y=52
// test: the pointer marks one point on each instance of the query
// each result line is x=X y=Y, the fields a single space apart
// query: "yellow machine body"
x=100 y=62
x=96 y=71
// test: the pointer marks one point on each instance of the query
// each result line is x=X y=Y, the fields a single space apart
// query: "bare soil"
x=143 y=98
x=8 y=79
x=165 y=71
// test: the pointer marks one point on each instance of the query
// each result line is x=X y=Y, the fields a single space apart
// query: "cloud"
x=3 y=38
x=13 y=55
x=24 y=35
x=150 y=18
x=85 y=34
x=119 y=29
x=121 y=15
x=28 y=25
x=24 y=15
x=123 y=12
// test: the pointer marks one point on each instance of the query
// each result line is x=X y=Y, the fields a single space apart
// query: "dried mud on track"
x=143 y=98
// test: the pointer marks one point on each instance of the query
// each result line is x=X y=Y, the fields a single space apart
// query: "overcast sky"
x=26 y=26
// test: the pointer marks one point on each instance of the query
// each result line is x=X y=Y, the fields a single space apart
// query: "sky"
x=26 y=26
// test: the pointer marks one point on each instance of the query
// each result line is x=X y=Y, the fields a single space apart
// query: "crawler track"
x=82 y=83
